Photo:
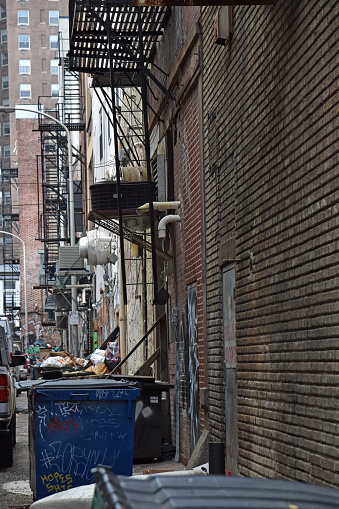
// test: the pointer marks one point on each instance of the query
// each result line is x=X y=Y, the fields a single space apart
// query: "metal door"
x=230 y=363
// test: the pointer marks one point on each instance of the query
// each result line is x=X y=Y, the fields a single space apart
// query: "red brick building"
x=30 y=196
x=179 y=140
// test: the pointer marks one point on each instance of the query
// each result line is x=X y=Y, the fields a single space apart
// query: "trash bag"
x=112 y=351
x=97 y=356
x=112 y=355
x=55 y=362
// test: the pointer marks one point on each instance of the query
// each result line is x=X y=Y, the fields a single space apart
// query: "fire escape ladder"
x=54 y=219
x=115 y=43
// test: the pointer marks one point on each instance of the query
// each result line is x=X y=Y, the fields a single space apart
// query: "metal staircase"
x=54 y=211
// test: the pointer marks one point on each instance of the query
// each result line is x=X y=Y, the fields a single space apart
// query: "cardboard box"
x=43 y=353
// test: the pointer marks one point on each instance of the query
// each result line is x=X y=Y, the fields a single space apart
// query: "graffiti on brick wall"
x=192 y=333
x=182 y=363
x=36 y=326
x=39 y=332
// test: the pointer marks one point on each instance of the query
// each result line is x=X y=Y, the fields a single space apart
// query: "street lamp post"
x=25 y=286
x=9 y=109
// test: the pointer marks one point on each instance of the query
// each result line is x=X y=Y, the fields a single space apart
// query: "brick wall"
x=185 y=239
x=28 y=147
x=276 y=191
x=188 y=246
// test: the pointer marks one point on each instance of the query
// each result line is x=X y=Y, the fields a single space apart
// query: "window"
x=23 y=18
x=54 y=90
x=24 y=66
x=3 y=12
x=1 y=221
x=5 y=102
x=4 y=35
x=4 y=59
x=42 y=16
x=23 y=42
x=53 y=17
x=7 y=195
x=25 y=91
x=0 y=191
x=8 y=222
x=54 y=66
x=5 y=82
x=53 y=42
x=8 y=240
x=6 y=129
x=7 y=153
x=9 y=284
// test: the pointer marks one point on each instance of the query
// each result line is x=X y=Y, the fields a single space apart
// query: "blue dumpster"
x=76 y=425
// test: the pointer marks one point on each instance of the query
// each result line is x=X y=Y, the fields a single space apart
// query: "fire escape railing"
x=115 y=44
x=52 y=170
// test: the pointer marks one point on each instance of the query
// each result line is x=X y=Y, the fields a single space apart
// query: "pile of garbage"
x=100 y=362
x=62 y=360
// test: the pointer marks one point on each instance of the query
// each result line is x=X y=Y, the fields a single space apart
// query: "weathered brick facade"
x=179 y=54
x=28 y=146
x=271 y=112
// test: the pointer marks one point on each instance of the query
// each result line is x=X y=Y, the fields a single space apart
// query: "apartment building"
x=29 y=76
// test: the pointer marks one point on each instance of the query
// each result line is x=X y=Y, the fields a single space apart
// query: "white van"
x=7 y=325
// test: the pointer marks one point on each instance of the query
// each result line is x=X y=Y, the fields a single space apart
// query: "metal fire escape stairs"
x=11 y=250
x=115 y=43
x=53 y=172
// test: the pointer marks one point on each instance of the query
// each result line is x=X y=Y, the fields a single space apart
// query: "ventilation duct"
x=96 y=247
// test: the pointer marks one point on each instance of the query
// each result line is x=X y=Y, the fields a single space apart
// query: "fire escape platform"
x=89 y=39
x=80 y=126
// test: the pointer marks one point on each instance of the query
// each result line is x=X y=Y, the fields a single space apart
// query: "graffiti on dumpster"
x=57 y=425
x=104 y=434
x=66 y=458
x=57 y=482
x=107 y=394
x=90 y=426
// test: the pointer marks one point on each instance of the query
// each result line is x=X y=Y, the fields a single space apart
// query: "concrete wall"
x=271 y=203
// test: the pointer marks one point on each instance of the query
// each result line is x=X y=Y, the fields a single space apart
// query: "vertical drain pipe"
x=217 y=458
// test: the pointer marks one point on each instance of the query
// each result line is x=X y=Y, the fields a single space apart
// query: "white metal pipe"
x=159 y=205
x=171 y=218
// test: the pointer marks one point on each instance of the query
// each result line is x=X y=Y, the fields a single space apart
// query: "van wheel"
x=6 y=447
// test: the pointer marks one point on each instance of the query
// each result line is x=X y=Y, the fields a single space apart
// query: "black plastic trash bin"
x=207 y=491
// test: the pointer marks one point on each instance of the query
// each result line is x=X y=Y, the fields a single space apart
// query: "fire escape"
x=52 y=171
x=10 y=248
x=115 y=43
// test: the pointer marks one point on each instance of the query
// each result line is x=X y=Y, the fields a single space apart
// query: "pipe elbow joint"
x=171 y=218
